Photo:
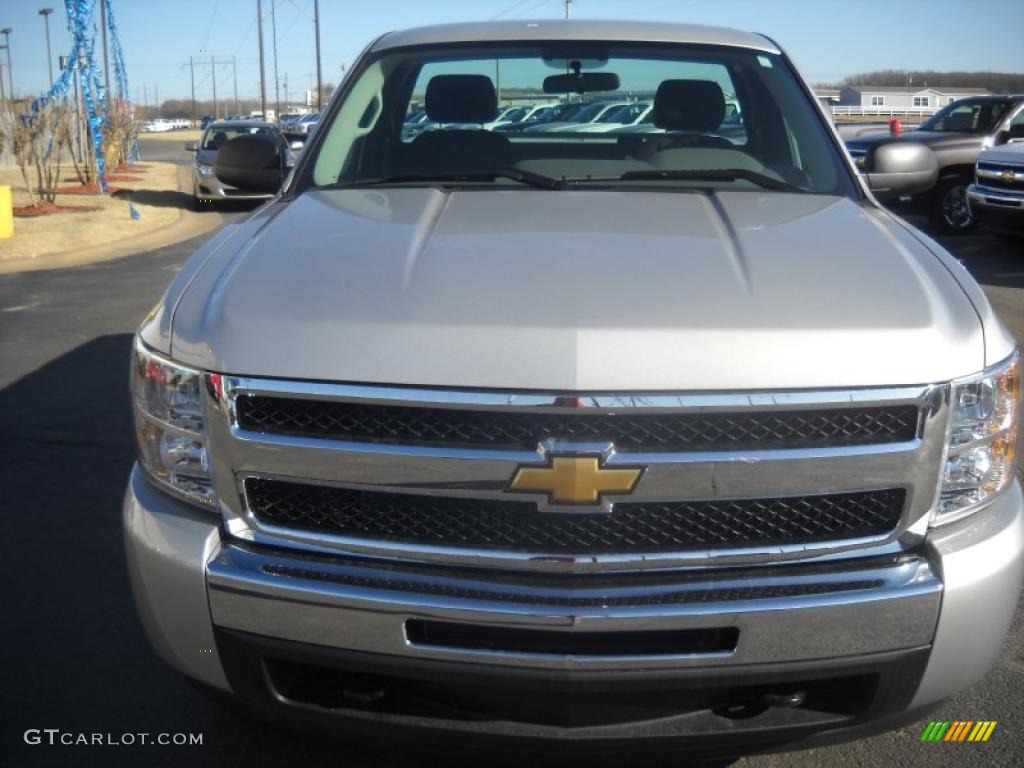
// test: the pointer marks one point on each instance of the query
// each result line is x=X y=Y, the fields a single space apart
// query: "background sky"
x=828 y=39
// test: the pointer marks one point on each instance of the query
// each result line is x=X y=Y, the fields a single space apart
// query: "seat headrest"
x=689 y=105
x=461 y=99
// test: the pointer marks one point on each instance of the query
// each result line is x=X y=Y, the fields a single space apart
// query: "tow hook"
x=744 y=709
x=786 y=699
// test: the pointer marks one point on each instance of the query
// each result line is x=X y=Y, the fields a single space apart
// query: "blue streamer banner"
x=94 y=92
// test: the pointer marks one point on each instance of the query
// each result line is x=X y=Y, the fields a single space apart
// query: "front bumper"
x=997 y=209
x=921 y=626
x=209 y=189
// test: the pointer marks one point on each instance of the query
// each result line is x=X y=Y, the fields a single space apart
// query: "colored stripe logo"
x=959 y=730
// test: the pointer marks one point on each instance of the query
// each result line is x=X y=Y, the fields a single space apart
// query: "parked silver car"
x=206 y=187
x=590 y=444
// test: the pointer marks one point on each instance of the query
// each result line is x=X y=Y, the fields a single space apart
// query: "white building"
x=904 y=97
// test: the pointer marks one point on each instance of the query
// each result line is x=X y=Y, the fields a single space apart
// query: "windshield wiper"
x=524 y=177
x=725 y=174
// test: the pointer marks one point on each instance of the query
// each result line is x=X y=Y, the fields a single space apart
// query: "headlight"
x=981 y=456
x=170 y=425
x=206 y=170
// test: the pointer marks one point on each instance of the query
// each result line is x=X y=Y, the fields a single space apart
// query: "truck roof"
x=589 y=30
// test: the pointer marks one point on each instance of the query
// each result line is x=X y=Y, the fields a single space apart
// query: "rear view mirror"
x=584 y=82
x=900 y=168
x=252 y=163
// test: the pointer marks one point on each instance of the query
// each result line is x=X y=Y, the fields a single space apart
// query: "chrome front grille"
x=423 y=476
x=1003 y=177
x=629 y=527
x=502 y=429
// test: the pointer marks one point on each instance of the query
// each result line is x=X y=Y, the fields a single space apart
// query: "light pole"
x=45 y=13
x=277 y=82
x=319 y=80
x=106 y=61
x=6 y=32
x=263 y=75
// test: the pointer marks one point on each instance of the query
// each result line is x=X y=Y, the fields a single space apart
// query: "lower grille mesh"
x=517 y=525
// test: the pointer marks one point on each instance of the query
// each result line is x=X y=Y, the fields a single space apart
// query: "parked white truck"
x=586 y=443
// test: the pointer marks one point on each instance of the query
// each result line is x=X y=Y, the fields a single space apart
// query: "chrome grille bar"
x=480 y=473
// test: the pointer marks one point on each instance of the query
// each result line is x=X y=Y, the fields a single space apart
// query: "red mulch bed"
x=85 y=189
x=47 y=209
x=110 y=177
x=130 y=167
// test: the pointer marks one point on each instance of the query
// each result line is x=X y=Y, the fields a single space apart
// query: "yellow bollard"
x=6 y=212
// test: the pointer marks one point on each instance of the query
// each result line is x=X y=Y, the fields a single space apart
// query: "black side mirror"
x=900 y=168
x=252 y=163
x=1016 y=133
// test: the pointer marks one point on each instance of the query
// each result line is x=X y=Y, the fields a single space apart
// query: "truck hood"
x=579 y=290
x=1004 y=153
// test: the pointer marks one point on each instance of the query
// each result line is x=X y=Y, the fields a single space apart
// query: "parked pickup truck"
x=997 y=195
x=588 y=444
x=956 y=134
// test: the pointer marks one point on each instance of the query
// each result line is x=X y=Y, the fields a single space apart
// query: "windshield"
x=517 y=114
x=587 y=114
x=218 y=136
x=719 y=117
x=625 y=114
x=979 y=116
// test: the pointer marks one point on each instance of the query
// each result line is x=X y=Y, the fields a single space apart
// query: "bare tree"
x=50 y=139
x=120 y=133
x=18 y=137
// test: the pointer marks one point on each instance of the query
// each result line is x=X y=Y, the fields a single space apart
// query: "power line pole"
x=263 y=75
x=156 y=97
x=319 y=81
x=192 y=79
x=145 y=99
x=568 y=9
x=277 y=82
x=234 y=75
x=286 y=90
x=213 y=78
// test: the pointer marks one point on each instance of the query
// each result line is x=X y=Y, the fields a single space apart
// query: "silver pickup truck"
x=587 y=443
x=996 y=197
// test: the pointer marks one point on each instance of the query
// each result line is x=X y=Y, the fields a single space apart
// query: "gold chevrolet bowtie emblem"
x=574 y=480
x=1007 y=176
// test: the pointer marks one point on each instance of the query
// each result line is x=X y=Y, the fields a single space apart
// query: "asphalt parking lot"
x=74 y=654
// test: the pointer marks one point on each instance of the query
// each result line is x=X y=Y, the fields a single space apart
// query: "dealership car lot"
x=76 y=657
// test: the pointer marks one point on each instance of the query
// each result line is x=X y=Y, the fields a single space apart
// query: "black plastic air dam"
x=628 y=715
x=548 y=642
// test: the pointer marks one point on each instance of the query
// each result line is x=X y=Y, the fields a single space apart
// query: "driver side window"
x=1016 y=127
x=961 y=119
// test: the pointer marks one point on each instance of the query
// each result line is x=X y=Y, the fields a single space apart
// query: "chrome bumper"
x=210 y=188
x=790 y=617
x=958 y=595
x=990 y=199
